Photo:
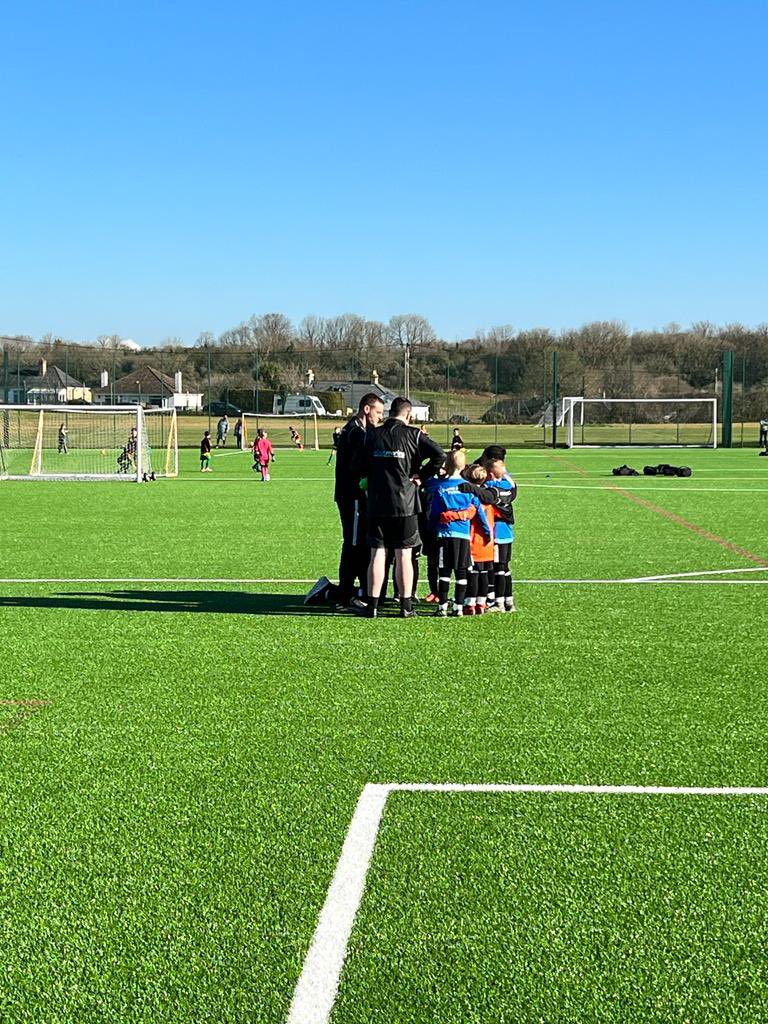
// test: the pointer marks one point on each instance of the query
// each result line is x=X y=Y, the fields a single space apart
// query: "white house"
x=148 y=386
x=53 y=386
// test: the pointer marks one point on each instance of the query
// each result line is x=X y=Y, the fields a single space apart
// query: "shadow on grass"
x=209 y=602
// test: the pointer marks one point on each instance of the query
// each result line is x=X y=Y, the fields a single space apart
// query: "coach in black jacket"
x=351 y=500
x=397 y=458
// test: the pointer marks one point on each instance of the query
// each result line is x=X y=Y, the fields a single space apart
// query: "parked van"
x=298 y=405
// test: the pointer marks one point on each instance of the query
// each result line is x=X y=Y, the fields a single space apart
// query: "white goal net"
x=281 y=429
x=644 y=422
x=64 y=442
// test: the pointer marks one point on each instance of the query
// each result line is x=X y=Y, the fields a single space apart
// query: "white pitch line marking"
x=684 y=575
x=681 y=577
x=316 y=989
x=683 y=489
x=318 y=984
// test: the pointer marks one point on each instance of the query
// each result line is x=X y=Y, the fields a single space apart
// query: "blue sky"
x=168 y=168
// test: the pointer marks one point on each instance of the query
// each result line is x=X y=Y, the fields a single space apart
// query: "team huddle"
x=399 y=497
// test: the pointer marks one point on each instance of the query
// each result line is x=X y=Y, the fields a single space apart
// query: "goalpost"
x=87 y=442
x=277 y=426
x=640 y=422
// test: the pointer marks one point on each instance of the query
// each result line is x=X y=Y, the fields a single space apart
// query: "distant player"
x=205 y=453
x=334 y=444
x=764 y=433
x=457 y=442
x=263 y=455
x=239 y=434
x=133 y=443
x=222 y=429
x=126 y=460
x=296 y=438
x=63 y=434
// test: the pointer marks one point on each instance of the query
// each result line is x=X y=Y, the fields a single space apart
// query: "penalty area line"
x=318 y=984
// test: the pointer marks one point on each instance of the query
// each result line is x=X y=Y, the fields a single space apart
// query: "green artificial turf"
x=173 y=810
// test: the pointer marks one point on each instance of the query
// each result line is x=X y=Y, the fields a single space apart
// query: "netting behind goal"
x=86 y=443
x=653 y=423
x=278 y=428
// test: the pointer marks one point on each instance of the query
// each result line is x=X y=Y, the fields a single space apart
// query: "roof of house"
x=354 y=390
x=53 y=378
x=146 y=379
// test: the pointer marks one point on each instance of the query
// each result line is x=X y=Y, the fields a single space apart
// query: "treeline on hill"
x=500 y=374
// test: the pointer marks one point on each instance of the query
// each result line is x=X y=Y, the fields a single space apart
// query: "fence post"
x=496 y=401
x=209 y=390
x=258 y=372
x=447 y=399
x=727 y=401
x=6 y=371
x=555 y=383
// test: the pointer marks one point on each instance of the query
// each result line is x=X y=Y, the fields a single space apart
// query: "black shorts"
x=393 y=532
x=453 y=555
x=502 y=555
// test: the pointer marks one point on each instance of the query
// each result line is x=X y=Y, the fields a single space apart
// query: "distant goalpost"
x=87 y=442
x=640 y=422
x=277 y=426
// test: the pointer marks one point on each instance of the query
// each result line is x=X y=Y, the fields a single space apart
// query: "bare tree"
x=273 y=332
x=410 y=329
x=310 y=332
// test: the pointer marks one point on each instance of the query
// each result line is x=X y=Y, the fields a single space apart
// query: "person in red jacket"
x=263 y=455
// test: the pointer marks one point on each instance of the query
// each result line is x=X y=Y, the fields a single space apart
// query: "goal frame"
x=572 y=403
x=171 y=447
x=136 y=413
x=308 y=422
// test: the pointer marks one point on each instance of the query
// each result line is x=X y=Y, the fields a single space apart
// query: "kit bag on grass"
x=666 y=470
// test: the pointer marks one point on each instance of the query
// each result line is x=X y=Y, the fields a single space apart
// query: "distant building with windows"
x=149 y=387
x=50 y=386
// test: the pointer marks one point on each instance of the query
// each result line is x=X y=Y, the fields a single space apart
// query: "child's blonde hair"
x=476 y=473
x=455 y=462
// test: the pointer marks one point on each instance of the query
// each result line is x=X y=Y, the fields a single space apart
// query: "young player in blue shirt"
x=505 y=491
x=453 y=537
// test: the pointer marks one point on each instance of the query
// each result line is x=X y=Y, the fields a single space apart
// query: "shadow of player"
x=209 y=602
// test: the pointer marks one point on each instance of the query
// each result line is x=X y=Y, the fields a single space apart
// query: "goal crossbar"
x=574 y=406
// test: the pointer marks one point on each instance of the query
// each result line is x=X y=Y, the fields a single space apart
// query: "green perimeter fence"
x=508 y=393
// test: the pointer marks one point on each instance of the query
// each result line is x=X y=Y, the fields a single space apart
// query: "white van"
x=298 y=405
